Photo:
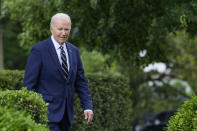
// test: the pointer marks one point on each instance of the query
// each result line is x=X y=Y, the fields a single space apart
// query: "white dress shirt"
x=58 y=50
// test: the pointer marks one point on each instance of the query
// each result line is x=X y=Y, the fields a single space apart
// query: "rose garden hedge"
x=186 y=117
x=22 y=110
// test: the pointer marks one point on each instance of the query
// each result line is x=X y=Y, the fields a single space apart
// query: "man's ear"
x=51 y=29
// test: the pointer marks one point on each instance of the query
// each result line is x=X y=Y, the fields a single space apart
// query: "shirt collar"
x=56 y=44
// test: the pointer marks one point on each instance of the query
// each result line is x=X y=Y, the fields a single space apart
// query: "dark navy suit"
x=44 y=75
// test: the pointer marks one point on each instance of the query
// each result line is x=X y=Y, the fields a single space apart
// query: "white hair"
x=60 y=15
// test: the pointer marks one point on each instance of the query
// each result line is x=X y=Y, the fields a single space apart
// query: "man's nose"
x=64 y=32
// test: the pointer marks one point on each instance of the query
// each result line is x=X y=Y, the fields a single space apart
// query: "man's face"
x=60 y=30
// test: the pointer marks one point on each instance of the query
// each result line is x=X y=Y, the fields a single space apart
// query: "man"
x=54 y=69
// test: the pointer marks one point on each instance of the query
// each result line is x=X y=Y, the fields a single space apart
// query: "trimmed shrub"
x=12 y=120
x=186 y=117
x=111 y=98
x=5 y=82
x=12 y=78
x=112 y=105
x=29 y=101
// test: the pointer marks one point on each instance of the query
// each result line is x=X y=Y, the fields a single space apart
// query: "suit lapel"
x=54 y=56
x=70 y=60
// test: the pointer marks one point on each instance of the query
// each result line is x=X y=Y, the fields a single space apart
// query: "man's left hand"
x=88 y=115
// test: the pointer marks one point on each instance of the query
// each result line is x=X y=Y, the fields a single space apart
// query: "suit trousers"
x=63 y=125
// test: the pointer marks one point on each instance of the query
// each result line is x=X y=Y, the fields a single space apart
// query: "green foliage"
x=111 y=98
x=186 y=117
x=13 y=54
x=13 y=120
x=95 y=62
x=183 y=87
x=159 y=98
x=11 y=79
x=24 y=11
x=183 y=57
x=29 y=101
x=13 y=96
x=112 y=104
x=5 y=82
x=121 y=29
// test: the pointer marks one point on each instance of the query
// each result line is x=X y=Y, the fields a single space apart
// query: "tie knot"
x=61 y=47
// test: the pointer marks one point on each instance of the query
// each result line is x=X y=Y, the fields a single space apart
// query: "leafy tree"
x=95 y=62
x=14 y=55
x=167 y=90
x=122 y=29
x=183 y=58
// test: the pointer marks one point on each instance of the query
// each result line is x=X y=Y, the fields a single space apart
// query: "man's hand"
x=88 y=115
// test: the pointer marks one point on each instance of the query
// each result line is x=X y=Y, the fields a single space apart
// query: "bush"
x=111 y=98
x=12 y=120
x=95 y=62
x=5 y=82
x=29 y=101
x=186 y=117
x=112 y=105
x=12 y=78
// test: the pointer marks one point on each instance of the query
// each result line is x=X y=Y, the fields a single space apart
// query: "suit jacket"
x=44 y=75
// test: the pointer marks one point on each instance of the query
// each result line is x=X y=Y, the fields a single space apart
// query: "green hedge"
x=111 y=98
x=29 y=101
x=186 y=117
x=5 y=82
x=112 y=105
x=12 y=120
x=11 y=79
